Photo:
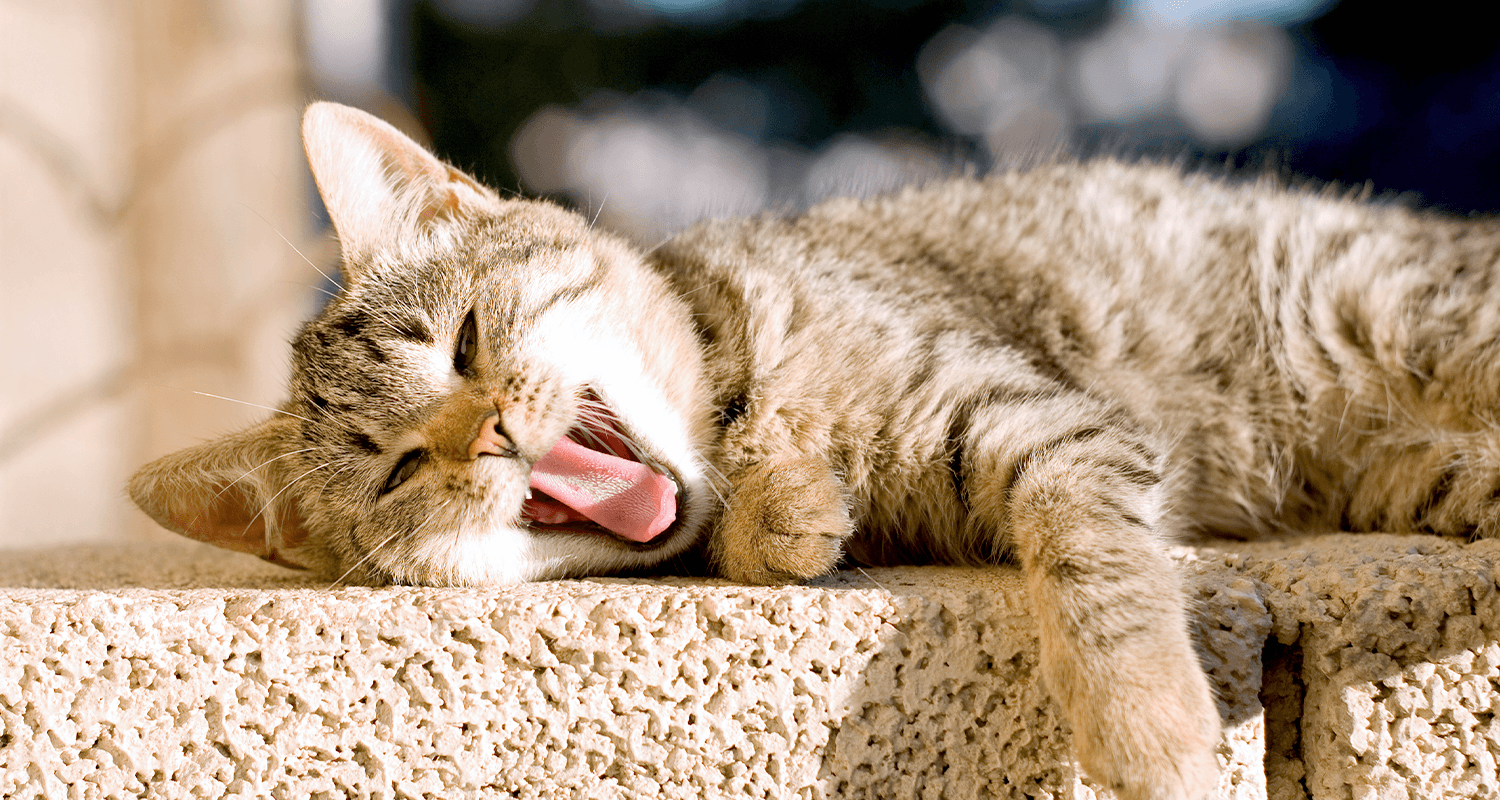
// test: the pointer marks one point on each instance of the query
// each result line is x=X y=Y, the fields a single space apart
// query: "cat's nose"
x=491 y=439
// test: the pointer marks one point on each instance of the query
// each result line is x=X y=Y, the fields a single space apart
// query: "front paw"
x=784 y=521
x=1152 y=738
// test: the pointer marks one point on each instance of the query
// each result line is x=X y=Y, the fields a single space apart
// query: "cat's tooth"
x=528 y=493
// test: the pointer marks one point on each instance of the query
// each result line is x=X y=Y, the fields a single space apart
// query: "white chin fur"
x=514 y=555
x=507 y=555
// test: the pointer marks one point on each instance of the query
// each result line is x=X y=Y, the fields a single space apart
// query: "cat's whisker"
x=599 y=417
x=255 y=405
x=331 y=420
x=872 y=579
x=197 y=518
x=380 y=316
x=294 y=249
x=247 y=473
x=591 y=437
x=314 y=288
x=715 y=480
x=322 y=490
x=267 y=505
x=595 y=220
x=636 y=450
x=350 y=571
x=594 y=414
x=658 y=245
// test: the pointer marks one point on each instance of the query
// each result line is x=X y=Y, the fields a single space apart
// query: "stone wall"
x=151 y=192
x=1347 y=667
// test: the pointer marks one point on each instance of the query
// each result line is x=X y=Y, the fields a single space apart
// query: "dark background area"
x=1404 y=97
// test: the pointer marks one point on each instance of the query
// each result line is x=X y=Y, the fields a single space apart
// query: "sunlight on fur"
x=1061 y=368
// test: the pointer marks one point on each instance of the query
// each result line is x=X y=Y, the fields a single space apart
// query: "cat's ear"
x=378 y=184
x=228 y=493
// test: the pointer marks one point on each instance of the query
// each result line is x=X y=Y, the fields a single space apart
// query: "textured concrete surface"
x=177 y=671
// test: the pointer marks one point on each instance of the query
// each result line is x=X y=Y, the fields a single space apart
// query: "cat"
x=1061 y=368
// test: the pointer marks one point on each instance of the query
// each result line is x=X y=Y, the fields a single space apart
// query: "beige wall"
x=149 y=168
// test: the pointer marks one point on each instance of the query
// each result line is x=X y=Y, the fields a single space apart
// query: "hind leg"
x=1404 y=344
x=1444 y=483
x=1414 y=433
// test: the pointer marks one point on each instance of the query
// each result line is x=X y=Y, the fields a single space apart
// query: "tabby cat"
x=1060 y=368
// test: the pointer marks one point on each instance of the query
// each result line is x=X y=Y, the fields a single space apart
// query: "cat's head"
x=499 y=393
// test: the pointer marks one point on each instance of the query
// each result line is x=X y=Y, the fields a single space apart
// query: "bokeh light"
x=347 y=43
x=666 y=111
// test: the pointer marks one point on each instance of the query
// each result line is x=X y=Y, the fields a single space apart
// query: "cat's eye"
x=405 y=468
x=467 y=347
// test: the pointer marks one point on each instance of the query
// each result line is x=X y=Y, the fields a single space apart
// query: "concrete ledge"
x=1382 y=674
x=178 y=671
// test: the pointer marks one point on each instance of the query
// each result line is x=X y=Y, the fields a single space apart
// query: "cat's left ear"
x=380 y=186
x=231 y=493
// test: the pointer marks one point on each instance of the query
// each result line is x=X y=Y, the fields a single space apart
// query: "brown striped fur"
x=1061 y=368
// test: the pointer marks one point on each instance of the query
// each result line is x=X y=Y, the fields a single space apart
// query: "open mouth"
x=596 y=479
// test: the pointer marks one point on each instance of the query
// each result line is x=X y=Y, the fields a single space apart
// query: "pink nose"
x=491 y=439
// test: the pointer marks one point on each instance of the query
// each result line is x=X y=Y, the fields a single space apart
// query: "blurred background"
x=159 y=233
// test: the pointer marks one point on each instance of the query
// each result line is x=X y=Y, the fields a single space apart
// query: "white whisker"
x=324 y=488
x=248 y=472
x=380 y=316
x=714 y=480
x=294 y=248
x=658 y=246
x=256 y=405
x=268 y=503
x=600 y=211
x=336 y=422
x=872 y=578
x=314 y=288
x=599 y=416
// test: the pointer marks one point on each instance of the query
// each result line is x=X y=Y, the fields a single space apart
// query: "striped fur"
x=1061 y=368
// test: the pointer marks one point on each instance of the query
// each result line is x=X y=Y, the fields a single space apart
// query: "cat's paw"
x=1152 y=741
x=784 y=521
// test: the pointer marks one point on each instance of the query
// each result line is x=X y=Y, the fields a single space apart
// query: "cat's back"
x=1094 y=253
x=1120 y=254
x=1065 y=223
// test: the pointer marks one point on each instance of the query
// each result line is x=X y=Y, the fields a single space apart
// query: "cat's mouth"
x=597 y=479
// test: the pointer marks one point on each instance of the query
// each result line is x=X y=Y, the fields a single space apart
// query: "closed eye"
x=405 y=468
x=466 y=349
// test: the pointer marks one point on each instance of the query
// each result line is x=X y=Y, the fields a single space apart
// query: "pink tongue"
x=626 y=497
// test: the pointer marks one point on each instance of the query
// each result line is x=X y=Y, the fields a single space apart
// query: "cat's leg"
x=785 y=520
x=1398 y=344
x=1444 y=482
x=1075 y=491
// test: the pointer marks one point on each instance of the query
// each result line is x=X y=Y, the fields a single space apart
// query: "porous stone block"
x=1383 y=668
x=1346 y=667
x=173 y=671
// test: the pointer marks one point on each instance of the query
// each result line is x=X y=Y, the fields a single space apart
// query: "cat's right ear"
x=230 y=493
x=380 y=186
